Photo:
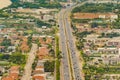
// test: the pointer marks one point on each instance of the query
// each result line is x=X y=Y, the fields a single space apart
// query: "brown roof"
x=48 y=40
x=7 y=78
x=37 y=71
x=38 y=78
x=14 y=68
x=11 y=76
x=39 y=67
x=14 y=75
x=24 y=46
x=91 y=15
x=42 y=52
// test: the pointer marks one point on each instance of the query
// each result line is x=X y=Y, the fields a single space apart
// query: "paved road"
x=66 y=38
x=65 y=59
x=71 y=47
x=28 y=66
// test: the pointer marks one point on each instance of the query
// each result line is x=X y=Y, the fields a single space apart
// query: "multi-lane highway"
x=70 y=60
x=68 y=48
x=63 y=44
x=71 y=47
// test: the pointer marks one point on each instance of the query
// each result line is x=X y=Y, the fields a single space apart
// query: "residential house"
x=95 y=15
x=43 y=52
x=114 y=42
x=2 y=49
x=110 y=50
x=2 y=70
x=13 y=73
x=38 y=73
x=38 y=78
x=44 y=40
x=111 y=60
x=94 y=39
x=24 y=46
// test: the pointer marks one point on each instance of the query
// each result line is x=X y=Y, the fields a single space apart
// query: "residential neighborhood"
x=98 y=39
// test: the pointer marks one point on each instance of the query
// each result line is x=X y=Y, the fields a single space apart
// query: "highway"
x=71 y=47
x=68 y=47
x=65 y=59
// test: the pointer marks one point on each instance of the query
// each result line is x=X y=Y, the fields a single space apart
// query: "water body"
x=5 y=3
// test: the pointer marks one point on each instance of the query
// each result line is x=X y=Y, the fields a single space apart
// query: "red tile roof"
x=7 y=78
x=24 y=46
x=38 y=78
x=14 y=68
x=91 y=15
x=48 y=40
x=38 y=71
x=42 y=52
x=14 y=75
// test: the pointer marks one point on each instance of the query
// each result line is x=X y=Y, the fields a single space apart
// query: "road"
x=65 y=59
x=69 y=55
x=71 y=46
x=28 y=66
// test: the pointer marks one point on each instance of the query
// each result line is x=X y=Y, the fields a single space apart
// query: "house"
x=94 y=39
x=11 y=49
x=14 y=69
x=1 y=27
x=2 y=69
x=110 y=50
x=44 y=27
x=114 y=42
x=38 y=73
x=112 y=76
x=111 y=60
x=13 y=73
x=91 y=38
x=38 y=78
x=44 y=40
x=24 y=46
x=41 y=68
x=38 y=70
x=2 y=49
x=42 y=52
x=7 y=78
x=95 y=15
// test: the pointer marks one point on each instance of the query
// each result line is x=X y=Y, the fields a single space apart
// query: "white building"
x=27 y=0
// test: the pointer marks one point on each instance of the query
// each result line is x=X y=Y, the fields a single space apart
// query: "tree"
x=49 y=66
x=38 y=42
x=29 y=42
x=18 y=58
x=6 y=42
x=44 y=39
x=93 y=25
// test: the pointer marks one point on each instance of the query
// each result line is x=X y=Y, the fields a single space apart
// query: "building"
x=111 y=60
x=95 y=15
x=109 y=50
x=13 y=73
x=94 y=39
x=2 y=49
x=42 y=52
x=27 y=0
x=114 y=42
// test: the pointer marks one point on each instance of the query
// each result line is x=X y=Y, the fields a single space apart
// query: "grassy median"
x=57 y=58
